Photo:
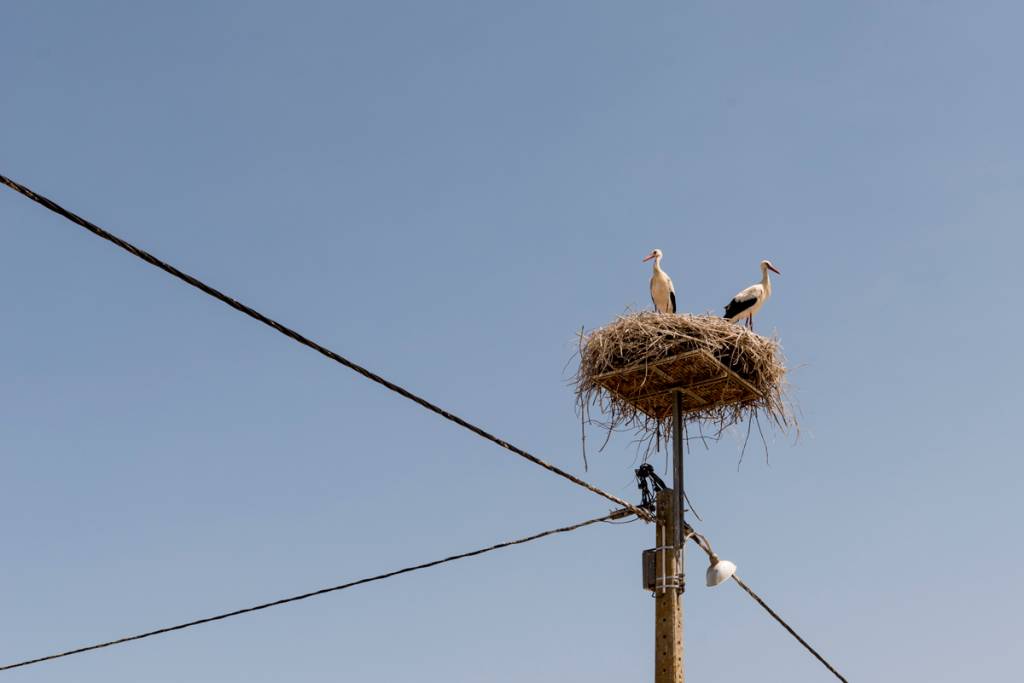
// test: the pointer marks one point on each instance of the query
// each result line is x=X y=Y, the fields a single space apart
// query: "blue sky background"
x=445 y=192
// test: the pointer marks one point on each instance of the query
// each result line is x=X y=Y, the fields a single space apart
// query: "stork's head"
x=656 y=254
x=767 y=265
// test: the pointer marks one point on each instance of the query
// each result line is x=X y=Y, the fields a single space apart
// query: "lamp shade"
x=719 y=571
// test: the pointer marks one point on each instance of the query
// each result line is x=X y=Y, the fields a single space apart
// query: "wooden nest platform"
x=631 y=368
x=703 y=380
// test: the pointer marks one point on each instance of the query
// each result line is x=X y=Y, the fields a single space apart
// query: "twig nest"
x=725 y=374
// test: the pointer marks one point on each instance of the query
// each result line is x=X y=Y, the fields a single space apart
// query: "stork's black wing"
x=672 y=295
x=737 y=306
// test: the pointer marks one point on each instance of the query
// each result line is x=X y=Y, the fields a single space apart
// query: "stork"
x=748 y=302
x=663 y=294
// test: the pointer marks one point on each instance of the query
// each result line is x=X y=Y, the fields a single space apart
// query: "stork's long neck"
x=766 y=282
x=656 y=268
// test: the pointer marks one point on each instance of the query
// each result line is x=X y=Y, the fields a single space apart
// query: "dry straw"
x=729 y=375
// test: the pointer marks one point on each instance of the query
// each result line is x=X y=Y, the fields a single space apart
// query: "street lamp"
x=719 y=571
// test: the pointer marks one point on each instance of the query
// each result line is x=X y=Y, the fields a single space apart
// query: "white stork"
x=748 y=302
x=663 y=294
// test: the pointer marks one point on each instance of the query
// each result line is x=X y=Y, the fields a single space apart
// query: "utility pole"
x=678 y=537
x=668 y=624
x=669 y=565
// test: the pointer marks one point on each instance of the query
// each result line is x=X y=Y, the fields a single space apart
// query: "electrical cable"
x=613 y=515
x=292 y=334
x=703 y=543
x=789 y=628
x=288 y=332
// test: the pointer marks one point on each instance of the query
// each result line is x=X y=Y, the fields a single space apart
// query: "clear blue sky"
x=445 y=192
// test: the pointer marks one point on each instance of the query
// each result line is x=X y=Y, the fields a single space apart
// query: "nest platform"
x=631 y=368
x=704 y=381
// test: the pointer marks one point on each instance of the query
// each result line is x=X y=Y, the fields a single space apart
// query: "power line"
x=786 y=626
x=322 y=591
x=305 y=341
x=705 y=545
x=288 y=332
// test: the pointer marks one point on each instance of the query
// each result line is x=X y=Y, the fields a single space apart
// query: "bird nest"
x=632 y=368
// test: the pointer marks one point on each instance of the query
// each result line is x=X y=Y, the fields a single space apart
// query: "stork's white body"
x=746 y=304
x=663 y=293
x=759 y=293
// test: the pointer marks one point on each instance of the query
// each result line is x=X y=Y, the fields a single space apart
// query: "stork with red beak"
x=663 y=294
x=748 y=302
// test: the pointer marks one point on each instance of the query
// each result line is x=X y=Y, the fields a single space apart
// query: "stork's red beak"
x=647 y=258
x=773 y=269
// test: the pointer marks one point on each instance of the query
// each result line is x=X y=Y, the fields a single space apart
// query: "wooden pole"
x=668 y=626
x=678 y=539
x=679 y=487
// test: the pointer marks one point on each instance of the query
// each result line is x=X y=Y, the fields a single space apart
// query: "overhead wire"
x=703 y=543
x=305 y=341
x=323 y=591
x=628 y=508
x=789 y=628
